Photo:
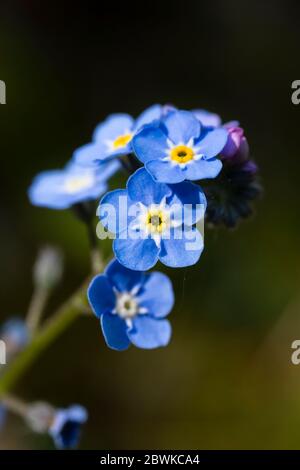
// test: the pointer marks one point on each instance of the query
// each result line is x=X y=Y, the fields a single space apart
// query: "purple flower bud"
x=236 y=146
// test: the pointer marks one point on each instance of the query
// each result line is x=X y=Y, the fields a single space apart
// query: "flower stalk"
x=15 y=405
x=52 y=328
x=47 y=273
x=36 y=308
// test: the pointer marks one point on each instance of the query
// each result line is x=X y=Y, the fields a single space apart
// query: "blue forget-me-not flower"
x=154 y=221
x=132 y=307
x=60 y=189
x=180 y=148
x=113 y=137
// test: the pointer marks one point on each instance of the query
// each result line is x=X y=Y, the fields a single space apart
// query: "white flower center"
x=126 y=305
x=154 y=220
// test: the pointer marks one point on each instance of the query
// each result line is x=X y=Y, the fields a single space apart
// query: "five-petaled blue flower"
x=66 y=426
x=154 y=221
x=180 y=148
x=113 y=137
x=60 y=189
x=132 y=307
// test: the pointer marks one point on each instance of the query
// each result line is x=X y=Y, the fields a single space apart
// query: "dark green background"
x=226 y=380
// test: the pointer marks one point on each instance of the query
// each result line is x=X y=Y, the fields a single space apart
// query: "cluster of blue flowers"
x=183 y=168
x=157 y=217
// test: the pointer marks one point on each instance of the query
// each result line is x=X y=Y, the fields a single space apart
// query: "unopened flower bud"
x=48 y=268
x=40 y=416
x=236 y=147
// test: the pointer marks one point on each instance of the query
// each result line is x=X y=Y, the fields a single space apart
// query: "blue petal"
x=49 y=189
x=182 y=126
x=157 y=295
x=142 y=188
x=140 y=254
x=95 y=152
x=178 y=253
x=193 y=199
x=119 y=152
x=101 y=295
x=122 y=278
x=77 y=413
x=113 y=126
x=212 y=143
x=207 y=118
x=150 y=144
x=66 y=426
x=40 y=191
x=149 y=333
x=202 y=169
x=115 y=332
x=113 y=210
x=90 y=154
x=165 y=172
x=149 y=115
x=105 y=171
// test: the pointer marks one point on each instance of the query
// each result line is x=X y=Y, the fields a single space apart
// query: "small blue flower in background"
x=112 y=138
x=14 y=333
x=60 y=189
x=152 y=223
x=66 y=426
x=180 y=148
x=132 y=306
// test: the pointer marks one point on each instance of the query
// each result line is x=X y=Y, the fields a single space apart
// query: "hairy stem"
x=52 y=328
x=15 y=405
x=36 y=308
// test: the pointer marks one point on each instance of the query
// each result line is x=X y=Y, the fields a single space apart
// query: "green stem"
x=65 y=315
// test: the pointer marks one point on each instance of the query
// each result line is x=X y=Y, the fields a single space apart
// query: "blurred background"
x=226 y=380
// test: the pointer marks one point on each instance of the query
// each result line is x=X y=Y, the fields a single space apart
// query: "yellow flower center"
x=156 y=221
x=182 y=154
x=122 y=140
